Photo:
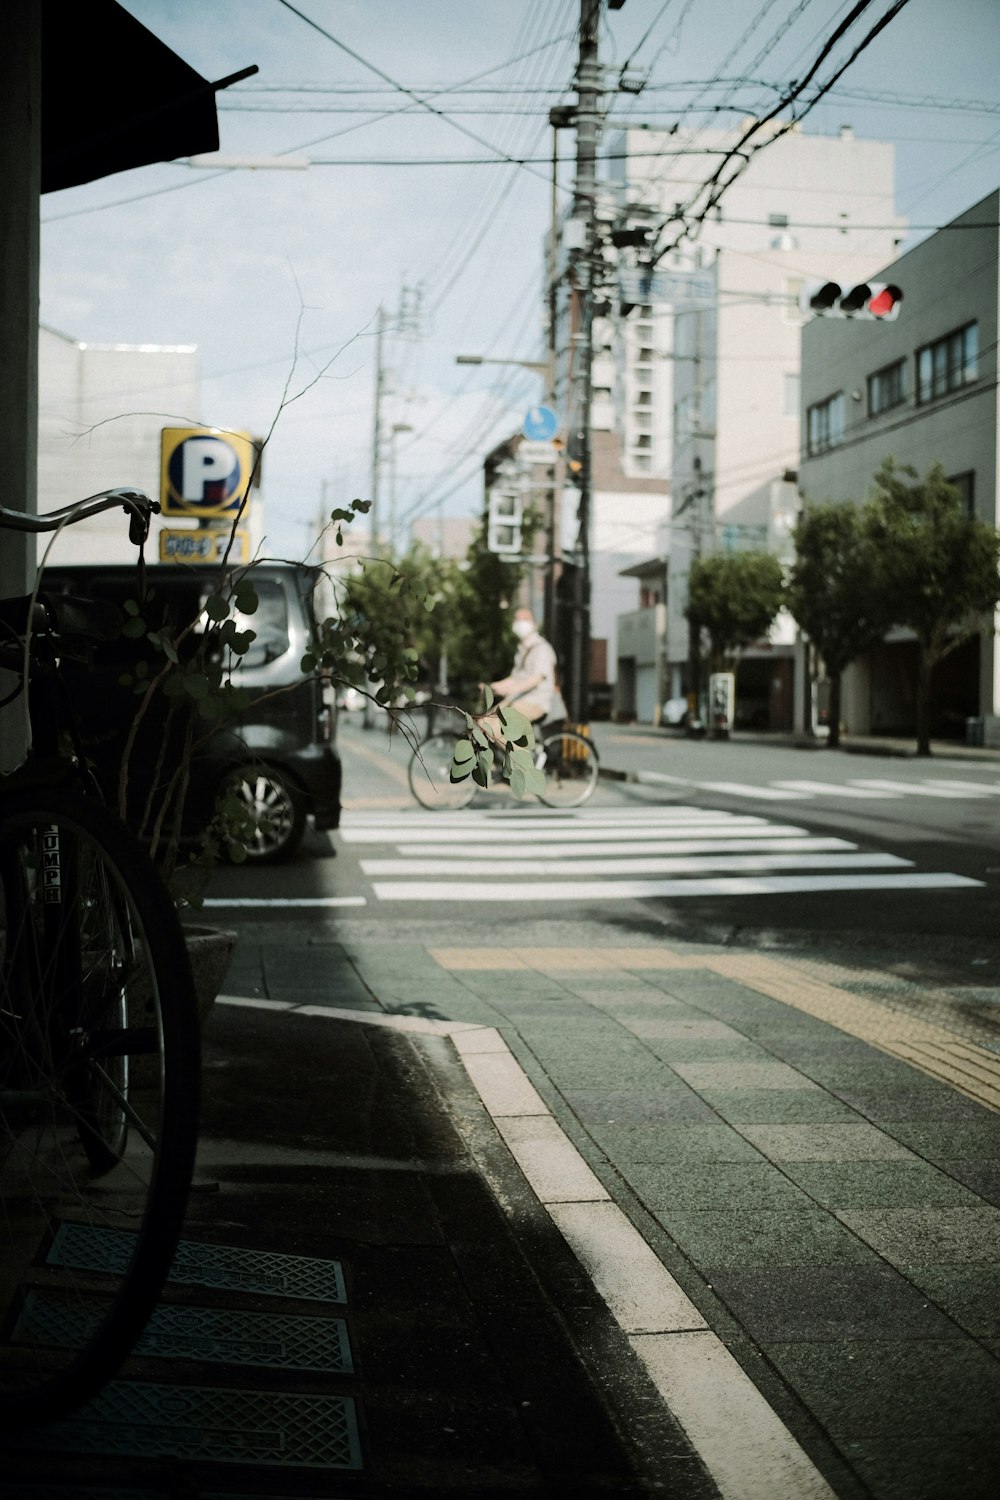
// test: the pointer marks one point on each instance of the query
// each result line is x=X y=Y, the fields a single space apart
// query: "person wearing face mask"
x=531 y=684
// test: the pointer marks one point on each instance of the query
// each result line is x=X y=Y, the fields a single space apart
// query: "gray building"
x=920 y=389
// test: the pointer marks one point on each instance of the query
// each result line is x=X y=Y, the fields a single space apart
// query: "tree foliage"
x=733 y=599
x=835 y=591
x=937 y=567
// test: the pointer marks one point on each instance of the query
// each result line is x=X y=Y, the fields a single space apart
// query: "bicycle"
x=99 y=1033
x=567 y=759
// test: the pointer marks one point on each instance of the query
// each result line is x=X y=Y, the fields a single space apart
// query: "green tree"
x=733 y=598
x=479 y=607
x=835 y=591
x=938 y=567
x=396 y=607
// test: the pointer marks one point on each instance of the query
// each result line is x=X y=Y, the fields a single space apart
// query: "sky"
x=427 y=194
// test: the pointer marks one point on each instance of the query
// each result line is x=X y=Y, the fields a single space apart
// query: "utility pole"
x=377 y=427
x=583 y=247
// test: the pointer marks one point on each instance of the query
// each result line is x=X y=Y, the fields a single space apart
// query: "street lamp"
x=540 y=366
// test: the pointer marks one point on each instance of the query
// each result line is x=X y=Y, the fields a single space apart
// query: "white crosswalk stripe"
x=860 y=789
x=607 y=854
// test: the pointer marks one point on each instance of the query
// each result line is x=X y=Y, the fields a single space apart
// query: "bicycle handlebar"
x=136 y=503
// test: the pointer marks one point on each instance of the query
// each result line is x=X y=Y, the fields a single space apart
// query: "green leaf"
x=516 y=781
x=195 y=685
x=463 y=754
x=515 y=726
x=246 y=598
x=308 y=664
x=134 y=628
x=217 y=607
x=488 y=697
x=130 y=607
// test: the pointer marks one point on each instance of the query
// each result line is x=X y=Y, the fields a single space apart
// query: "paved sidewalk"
x=560 y=1221
x=810 y=1154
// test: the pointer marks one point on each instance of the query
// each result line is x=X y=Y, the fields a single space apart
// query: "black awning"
x=115 y=97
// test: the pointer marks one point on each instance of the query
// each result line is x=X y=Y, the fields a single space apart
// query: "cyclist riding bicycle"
x=531 y=684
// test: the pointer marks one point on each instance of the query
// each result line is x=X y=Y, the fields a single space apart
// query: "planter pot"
x=210 y=950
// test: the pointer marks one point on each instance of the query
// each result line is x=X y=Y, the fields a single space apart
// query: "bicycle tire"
x=99 y=1097
x=570 y=765
x=429 y=774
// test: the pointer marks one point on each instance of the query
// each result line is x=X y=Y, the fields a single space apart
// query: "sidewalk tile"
x=969 y=1294
x=857 y=1141
x=682 y=1028
x=858 y=1389
x=830 y=1303
x=879 y=1184
x=804 y=1105
x=915 y=1467
x=922 y=1100
x=742 y=1075
x=630 y=1144
x=929 y=1236
x=734 y=1186
x=673 y=1103
x=983 y=1177
x=948 y=1140
x=744 y=1239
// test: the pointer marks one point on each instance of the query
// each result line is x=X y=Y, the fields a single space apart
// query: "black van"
x=279 y=754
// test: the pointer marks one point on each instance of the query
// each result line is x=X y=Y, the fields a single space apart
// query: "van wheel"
x=276 y=809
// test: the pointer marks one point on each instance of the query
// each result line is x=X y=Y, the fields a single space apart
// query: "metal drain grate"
x=217 y=1335
x=138 y=1420
x=229 y=1267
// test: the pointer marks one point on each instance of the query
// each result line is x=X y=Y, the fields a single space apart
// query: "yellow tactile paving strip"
x=933 y=1049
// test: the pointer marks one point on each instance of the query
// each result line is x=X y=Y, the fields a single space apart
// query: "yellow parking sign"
x=204 y=471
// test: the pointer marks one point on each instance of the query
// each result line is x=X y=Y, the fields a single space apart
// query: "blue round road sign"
x=540 y=425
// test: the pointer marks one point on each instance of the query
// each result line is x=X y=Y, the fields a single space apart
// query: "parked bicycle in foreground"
x=99 y=1034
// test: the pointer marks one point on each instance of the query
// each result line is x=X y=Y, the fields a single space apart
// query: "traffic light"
x=875 y=301
x=503 y=529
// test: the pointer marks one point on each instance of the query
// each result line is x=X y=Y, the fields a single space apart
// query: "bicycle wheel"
x=430 y=774
x=570 y=764
x=99 y=1088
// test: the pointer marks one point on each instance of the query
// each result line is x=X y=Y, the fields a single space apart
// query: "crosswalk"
x=861 y=789
x=607 y=854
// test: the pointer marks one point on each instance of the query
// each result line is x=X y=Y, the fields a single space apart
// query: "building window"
x=825 y=426
x=966 y=485
x=645 y=355
x=644 y=440
x=641 y=463
x=644 y=398
x=948 y=364
x=778 y=221
x=790 y=394
x=887 y=388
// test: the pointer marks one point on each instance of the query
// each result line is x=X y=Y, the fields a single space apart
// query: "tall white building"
x=707 y=387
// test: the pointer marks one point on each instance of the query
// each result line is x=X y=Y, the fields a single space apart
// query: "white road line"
x=483 y=854
x=909 y=788
x=742 y=827
x=621 y=890
x=973 y=788
x=743 y=789
x=839 y=789
x=296 y=901
x=678 y=865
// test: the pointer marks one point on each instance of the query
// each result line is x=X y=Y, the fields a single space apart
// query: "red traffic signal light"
x=877 y=301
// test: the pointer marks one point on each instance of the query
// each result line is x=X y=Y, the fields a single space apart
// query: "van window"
x=269 y=622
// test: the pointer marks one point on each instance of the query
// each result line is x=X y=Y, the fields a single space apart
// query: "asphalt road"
x=897 y=856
